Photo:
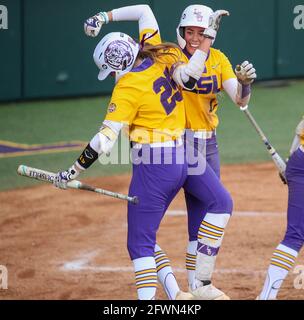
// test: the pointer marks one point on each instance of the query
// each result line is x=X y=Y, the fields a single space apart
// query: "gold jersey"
x=149 y=102
x=201 y=103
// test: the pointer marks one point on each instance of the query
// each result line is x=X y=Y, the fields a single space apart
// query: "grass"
x=277 y=111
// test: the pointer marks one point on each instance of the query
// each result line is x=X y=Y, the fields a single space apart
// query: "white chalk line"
x=76 y=267
x=83 y=263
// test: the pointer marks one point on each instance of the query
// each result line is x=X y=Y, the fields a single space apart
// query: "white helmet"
x=116 y=52
x=195 y=15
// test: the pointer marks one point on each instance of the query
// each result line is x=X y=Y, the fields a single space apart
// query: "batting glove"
x=93 y=24
x=245 y=73
x=62 y=178
x=214 y=23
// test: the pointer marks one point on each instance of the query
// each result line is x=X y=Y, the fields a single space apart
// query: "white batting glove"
x=245 y=73
x=93 y=24
x=214 y=23
x=62 y=178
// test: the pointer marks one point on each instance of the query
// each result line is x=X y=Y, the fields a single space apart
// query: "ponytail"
x=157 y=52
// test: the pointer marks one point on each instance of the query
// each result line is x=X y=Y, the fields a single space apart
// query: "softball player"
x=286 y=252
x=147 y=99
x=201 y=119
x=201 y=105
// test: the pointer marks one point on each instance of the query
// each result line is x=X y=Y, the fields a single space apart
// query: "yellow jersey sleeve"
x=151 y=36
x=123 y=105
x=227 y=71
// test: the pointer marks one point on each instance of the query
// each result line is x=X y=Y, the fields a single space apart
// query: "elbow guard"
x=104 y=140
x=101 y=143
x=183 y=79
x=186 y=75
x=107 y=138
x=196 y=65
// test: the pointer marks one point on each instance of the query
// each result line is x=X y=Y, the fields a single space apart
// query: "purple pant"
x=294 y=236
x=155 y=185
x=196 y=208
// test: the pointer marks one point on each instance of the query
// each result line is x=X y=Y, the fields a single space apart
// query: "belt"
x=171 y=143
x=204 y=134
x=301 y=148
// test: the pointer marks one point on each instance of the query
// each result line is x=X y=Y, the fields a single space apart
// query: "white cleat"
x=181 y=295
x=209 y=292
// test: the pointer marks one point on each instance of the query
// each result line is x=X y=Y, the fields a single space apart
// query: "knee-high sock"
x=191 y=261
x=282 y=261
x=165 y=273
x=145 y=277
x=210 y=236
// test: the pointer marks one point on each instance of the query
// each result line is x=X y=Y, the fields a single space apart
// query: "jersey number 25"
x=170 y=94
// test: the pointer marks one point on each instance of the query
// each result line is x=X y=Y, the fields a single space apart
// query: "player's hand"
x=62 y=177
x=283 y=175
x=245 y=73
x=93 y=24
x=214 y=23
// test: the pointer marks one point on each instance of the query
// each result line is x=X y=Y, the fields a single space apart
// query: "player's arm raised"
x=141 y=13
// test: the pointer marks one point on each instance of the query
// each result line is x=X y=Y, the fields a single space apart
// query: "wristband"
x=87 y=158
x=105 y=16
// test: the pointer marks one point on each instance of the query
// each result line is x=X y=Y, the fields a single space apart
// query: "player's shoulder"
x=136 y=76
x=217 y=53
x=150 y=36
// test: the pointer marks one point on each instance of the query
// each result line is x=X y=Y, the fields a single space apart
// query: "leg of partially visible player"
x=285 y=254
x=197 y=209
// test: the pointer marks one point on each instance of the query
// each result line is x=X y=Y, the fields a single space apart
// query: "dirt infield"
x=72 y=244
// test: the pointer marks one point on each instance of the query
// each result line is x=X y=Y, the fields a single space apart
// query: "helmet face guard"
x=193 y=16
x=115 y=53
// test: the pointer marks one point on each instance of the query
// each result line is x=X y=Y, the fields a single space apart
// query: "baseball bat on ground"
x=47 y=176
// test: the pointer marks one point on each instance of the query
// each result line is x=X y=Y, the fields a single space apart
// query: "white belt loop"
x=203 y=134
x=171 y=143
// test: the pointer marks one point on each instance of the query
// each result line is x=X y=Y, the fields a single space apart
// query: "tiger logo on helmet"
x=116 y=52
x=119 y=55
